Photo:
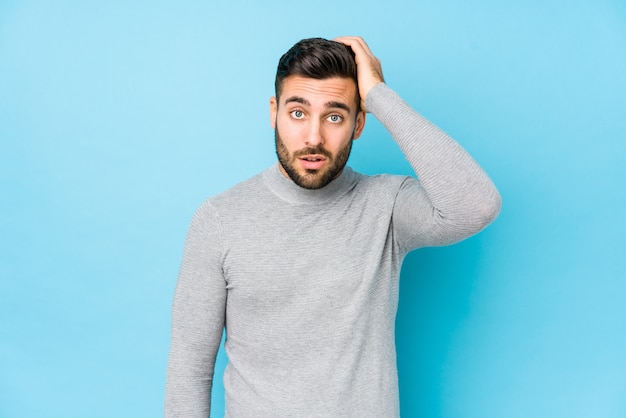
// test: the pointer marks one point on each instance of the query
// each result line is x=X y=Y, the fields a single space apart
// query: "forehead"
x=319 y=92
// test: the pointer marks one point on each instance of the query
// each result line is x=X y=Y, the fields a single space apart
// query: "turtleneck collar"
x=289 y=191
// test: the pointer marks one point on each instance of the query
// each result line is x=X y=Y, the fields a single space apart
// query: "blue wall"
x=118 y=118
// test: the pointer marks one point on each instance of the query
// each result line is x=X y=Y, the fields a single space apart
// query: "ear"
x=360 y=124
x=273 y=111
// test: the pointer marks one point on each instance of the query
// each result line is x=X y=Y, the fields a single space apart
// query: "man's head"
x=316 y=112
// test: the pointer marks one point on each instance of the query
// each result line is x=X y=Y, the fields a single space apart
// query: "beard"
x=311 y=179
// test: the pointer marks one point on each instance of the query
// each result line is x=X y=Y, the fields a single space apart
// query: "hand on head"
x=369 y=69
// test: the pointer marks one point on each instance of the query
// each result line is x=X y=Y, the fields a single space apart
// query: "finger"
x=362 y=53
x=358 y=45
x=369 y=69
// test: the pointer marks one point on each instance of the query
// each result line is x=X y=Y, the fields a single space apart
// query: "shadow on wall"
x=436 y=287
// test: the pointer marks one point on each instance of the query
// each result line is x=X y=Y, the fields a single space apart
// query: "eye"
x=335 y=118
x=297 y=114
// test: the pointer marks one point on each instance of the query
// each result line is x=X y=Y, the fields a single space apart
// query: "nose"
x=314 y=135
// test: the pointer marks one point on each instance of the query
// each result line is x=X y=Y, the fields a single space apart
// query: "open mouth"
x=313 y=161
x=312 y=158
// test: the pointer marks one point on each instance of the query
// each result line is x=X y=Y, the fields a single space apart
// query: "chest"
x=305 y=255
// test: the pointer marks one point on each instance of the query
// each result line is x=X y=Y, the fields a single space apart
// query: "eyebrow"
x=329 y=105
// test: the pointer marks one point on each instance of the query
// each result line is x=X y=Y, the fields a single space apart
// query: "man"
x=301 y=263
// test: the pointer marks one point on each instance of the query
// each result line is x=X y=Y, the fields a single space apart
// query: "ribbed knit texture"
x=306 y=281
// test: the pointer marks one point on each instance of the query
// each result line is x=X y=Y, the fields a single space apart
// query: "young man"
x=301 y=263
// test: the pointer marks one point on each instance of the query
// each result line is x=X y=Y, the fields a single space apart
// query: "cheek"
x=290 y=133
x=337 y=138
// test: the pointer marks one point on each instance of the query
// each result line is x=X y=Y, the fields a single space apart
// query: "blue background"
x=118 y=118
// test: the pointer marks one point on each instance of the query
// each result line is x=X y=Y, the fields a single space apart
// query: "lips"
x=312 y=161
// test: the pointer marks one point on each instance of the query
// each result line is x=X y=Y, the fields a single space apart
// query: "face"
x=315 y=123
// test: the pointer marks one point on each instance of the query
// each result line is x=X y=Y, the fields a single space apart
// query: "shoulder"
x=231 y=197
x=382 y=183
x=381 y=191
x=244 y=191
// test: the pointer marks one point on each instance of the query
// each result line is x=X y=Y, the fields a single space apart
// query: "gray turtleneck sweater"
x=305 y=282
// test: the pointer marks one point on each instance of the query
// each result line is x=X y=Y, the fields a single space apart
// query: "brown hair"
x=317 y=58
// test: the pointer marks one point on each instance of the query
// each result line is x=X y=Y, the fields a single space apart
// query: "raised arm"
x=197 y=320
x=454 y=198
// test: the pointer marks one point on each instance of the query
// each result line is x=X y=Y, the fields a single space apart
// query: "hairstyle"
x=317 y=58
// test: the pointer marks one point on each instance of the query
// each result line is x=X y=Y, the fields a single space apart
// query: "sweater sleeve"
x=453 y=198
x=198 y=314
